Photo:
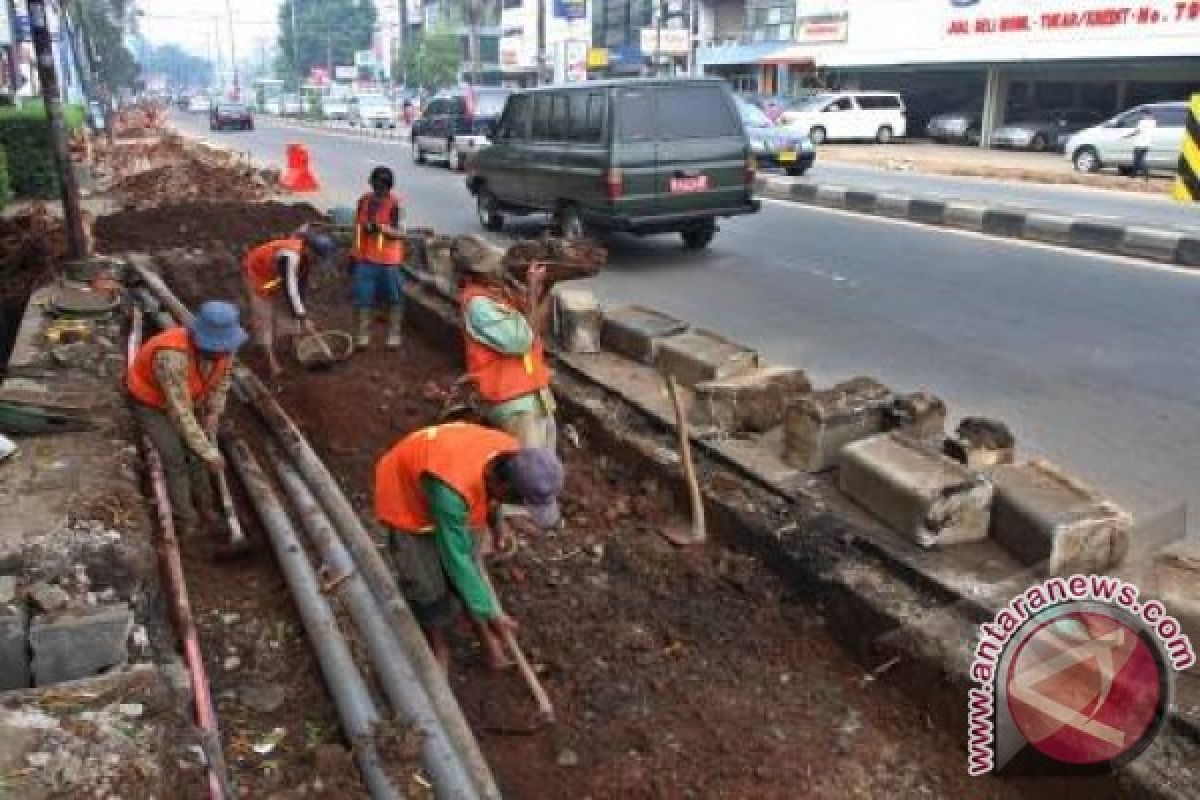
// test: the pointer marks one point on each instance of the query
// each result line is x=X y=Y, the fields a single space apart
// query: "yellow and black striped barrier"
x=1187 y=183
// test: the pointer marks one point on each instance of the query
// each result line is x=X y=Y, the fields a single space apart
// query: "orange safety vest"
x=499 y=376
x=261 y=268
x=376 y=248
x=143 y=384
x=456 y=453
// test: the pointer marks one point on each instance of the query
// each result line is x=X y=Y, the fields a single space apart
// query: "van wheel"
x=817 y=135
x=570 y=222
x=698 y=236
x=1086 y=159
x=884 y=135
x=418 y=154
x=488 y=209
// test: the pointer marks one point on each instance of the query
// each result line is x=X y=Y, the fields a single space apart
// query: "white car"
x=372 y=111
x=292 y=105
x=273 y=107
x=335 y=107
x=1110 y=144
x=199 y=104
x=848 y=115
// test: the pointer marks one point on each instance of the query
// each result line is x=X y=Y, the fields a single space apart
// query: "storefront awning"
x=733 y=54
x=790 y=55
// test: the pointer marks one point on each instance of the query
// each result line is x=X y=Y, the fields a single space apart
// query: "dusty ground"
x=675 y=674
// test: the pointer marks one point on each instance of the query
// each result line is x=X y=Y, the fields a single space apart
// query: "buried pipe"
x=356 y=709
x=389 y=663
x=168 y=552
x=360 y=544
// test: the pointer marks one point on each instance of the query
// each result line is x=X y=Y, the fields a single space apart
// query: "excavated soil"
x=189 y=181
x=674 y=673
x=199 y=225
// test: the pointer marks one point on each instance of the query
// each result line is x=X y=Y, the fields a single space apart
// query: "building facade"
x=559 y=30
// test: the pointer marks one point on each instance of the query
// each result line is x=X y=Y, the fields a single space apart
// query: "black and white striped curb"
x=397 y=134
x=1155 y=244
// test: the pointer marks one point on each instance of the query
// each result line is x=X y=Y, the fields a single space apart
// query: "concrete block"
x=14 y=648
x=1188 y=253
x=930 y=212
x=1177 y=576
x=1097 y=236
x=75 y=645
x=919 y=415
x=753 y=402
x=816 y=427
x=888 y=204
x=803 y=192
x=981 y=443
x=578 y=320
x=1149 y=243
x=1049 y=228
x=441 y=265
x=918 y=492
x=967 y=216
x=8 y=589
x=858 y=200
x=1045 y=517
x=634 y=332
x=1003 y=222
x=773 y=186
x=697 y=355
x=831 y=196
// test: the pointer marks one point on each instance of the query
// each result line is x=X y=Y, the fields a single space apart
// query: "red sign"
x=698 y=183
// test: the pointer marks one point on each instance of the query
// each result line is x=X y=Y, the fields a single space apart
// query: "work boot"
x=395 y=335
x=362 y=332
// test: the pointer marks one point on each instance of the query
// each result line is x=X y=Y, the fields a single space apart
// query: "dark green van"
x=642 y=156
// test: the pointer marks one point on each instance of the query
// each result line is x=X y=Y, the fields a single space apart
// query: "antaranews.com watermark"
x=1073 y=674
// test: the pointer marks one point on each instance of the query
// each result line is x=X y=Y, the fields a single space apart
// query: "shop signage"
x=1067 y=18
x=823 y=22
x=597 y=58
x=345 y=73
x=576 y=52
x=570 y=9
x=667 y=41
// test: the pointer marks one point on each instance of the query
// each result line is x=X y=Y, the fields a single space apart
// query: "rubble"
x=819 y=425
x=79 y=644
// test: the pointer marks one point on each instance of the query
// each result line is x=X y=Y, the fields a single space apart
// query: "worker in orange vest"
x=436 y=491
x=378 y=256
x=502 y=334
x=276 y=278
x=178 y=377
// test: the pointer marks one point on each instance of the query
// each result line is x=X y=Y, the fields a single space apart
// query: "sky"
x=190 y=24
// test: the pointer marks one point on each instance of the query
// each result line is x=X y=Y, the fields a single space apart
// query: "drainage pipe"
x=356 y=709
x=390 y=664
x=168 y=553
x=359 y=542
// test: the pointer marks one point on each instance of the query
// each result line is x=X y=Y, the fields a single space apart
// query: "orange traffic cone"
x=298 y=177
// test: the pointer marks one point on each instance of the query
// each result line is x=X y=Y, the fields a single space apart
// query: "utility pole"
x=295 y=63
x=402 y=56
x=237 y=94
x=44 y=53
x=541 y=41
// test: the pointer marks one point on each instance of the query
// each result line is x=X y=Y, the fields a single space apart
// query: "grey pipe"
x=359 y=542
x=356 y=709
x=392 y=667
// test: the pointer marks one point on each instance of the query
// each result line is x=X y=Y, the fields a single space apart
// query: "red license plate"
x=697 y=183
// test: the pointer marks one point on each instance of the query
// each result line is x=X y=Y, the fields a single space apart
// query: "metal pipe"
x=168 y=552
x=390 y=664
x=360 y=544
x=356 y=709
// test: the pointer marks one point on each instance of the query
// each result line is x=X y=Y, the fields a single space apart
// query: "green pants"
x=186 y=477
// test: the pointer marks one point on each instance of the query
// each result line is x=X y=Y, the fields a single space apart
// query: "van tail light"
x=614 y=184
x=751 y=170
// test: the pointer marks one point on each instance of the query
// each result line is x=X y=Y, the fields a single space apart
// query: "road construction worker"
x=506 y=360
x=276 y=279
x=179 y=381
x=378 y=255
x=436 y=491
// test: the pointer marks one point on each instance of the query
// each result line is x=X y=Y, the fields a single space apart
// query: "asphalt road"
x=1094 y=361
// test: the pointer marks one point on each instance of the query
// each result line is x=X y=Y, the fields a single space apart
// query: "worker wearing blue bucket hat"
x=179 y=381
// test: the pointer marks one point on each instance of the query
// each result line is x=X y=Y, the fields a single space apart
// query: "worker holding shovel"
x=378 y=257
x=178 y=378
x=276 y=279
x=435 y=491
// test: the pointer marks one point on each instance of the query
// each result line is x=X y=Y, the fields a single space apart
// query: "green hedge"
x=27 y=145
x=5 y=185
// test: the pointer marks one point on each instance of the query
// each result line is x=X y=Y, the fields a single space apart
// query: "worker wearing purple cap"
x=436 y=491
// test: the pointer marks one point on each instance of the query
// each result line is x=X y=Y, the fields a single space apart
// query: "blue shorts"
x=377 y=285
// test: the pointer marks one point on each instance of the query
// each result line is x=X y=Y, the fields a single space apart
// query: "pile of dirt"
x=31 y=245
x=191 y=181
x=199 y=225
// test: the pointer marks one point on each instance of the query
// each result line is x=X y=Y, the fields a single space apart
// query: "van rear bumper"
x=662 y=223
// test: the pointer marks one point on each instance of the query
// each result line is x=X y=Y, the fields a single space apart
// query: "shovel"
x=678 y=532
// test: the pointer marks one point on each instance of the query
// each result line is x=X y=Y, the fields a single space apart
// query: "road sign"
x=1187 y=183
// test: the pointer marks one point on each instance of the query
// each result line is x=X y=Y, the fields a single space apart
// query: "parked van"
x=642 y=155
x=1110 y=144
x=848 y=115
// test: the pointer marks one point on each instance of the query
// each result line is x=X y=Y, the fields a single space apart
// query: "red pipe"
x=168 y=552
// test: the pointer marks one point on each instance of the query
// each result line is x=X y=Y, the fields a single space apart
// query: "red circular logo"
x=1084 y=688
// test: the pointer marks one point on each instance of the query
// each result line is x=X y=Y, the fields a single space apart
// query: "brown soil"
x=31 y=245
x=188 y=181
x=674 y=673
x=199 y=225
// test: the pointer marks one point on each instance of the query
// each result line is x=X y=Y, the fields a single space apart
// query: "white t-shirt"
x=1145 y=132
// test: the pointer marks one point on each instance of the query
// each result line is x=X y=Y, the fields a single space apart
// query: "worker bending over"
x=378 y=256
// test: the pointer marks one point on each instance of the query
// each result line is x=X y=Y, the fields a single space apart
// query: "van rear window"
x=636 y=115
x=673 y=113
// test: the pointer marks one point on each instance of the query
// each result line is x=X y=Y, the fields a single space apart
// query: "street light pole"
x=295 y=63
x=232 y=50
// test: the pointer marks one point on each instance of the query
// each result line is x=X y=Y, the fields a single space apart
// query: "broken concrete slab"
x=8 y=589
x=80 y=644
x=817 y=426
x=918 y=415
x=1048 y=519
x=46 y=597
x=578 y=320
x=1177 y=577
x=918 y=492
x=754 y=402
x=697 y=355
x=14 y=648
x=982 y=443
x=634 y=332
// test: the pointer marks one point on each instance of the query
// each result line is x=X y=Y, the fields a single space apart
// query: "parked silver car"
x=1045 y=130
x=959 y=127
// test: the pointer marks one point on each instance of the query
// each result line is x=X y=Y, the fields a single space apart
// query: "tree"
x=102 y=26
x=181 y=68
x=433 y=59
x=327 y=33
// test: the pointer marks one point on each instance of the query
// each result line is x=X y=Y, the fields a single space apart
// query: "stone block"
x=915 y=490
x=754 y=402
x=1151 y=243
x=818 y=426
x=1050 y=228
x=982 y=443
x=634 y=332
x=578 y=320
x=1046 y=518
x=1177 y=577
x=968 y=216
x=697 y=355
x=14 y=648
x=75 y=645
x=441 y=265
x=919 y=415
